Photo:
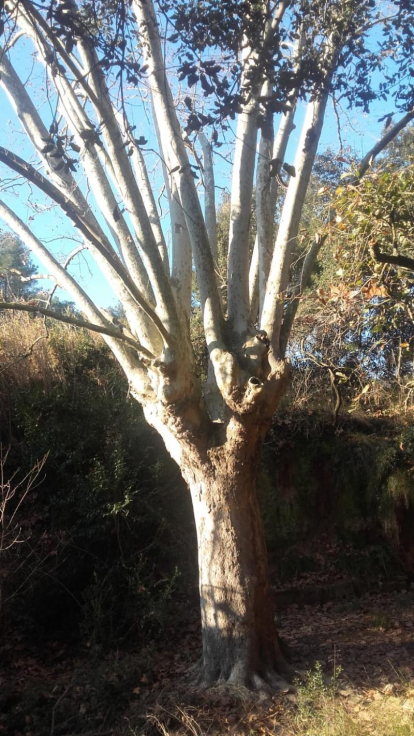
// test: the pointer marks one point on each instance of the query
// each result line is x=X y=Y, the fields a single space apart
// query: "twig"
x=58 y=702
x=22 y=356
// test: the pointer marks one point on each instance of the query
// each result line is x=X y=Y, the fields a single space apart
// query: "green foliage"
x=357 y=319
x=317 y=686
x=128 y=601
x=14 y=260
x=317 y=484
x=321 y=711
x=371 y=302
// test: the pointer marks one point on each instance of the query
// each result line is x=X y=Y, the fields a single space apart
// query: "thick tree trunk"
x=219 y=461
x=240 y=642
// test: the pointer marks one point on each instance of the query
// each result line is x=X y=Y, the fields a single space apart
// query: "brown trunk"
x=240 y=643
x=219 y=461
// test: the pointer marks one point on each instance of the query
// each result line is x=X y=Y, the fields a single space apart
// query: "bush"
x=110 y=492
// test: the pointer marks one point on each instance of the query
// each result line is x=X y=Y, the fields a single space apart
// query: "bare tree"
x=89 y=163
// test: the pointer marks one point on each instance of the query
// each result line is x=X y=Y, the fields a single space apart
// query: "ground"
x=363 y=684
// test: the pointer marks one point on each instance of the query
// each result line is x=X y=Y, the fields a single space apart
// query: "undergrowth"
x=318 y=707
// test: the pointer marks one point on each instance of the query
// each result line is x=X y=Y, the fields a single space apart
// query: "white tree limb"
x=394 y=130
x=130 y=192
x=64 y=182
x=168 y=124
x=107 y=258
x=209 y=194
x=181 y=256
x=272 y=312
x=242 y=177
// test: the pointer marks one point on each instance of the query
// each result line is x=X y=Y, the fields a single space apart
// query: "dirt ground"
x=367 y=643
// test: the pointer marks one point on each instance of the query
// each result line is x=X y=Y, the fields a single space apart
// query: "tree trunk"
x=240 y=642
x=219 y=461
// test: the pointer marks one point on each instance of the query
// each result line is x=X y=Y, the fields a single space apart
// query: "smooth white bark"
x=253 y=84
x=254 y=283
x=168 y=123
x=240 y=216
x=209 y=195
x=278 y=280
x=181 y=256
x=144 y=184
x=268 y=188
x=64 y=181
x=131 y=194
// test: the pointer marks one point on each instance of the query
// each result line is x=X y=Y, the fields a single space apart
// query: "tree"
x=373 y=248
x=253 y=60
x=16 y=269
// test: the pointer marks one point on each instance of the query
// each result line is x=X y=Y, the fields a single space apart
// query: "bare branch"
x=243 y=174
x=68 y=261
x=272 y=313
x=34 y=277
x=111 y=332
x=33 y=16
x=78 y=219
x=150 y=204
x=63 y=180
x=394 y=260
x=168 y=121
x=366 y=162
x=209 y=195
x=130 y=192
x=181 y=257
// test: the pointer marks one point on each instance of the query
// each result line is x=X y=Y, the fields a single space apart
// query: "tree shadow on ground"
x=371 y=638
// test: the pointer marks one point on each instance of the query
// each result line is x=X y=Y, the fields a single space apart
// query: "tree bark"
x=219 y=462
x=240 y=642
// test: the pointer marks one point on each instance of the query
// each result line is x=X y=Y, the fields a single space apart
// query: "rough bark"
x=219 y=463
x=240 y=643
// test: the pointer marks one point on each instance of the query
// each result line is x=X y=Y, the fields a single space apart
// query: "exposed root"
x=266 y=683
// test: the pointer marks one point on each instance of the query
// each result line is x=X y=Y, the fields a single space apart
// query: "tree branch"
x=181 y=257
x=111 y=332
x=130 y=192
x=29 y=172
x=70 y=258
x=168 y=122
x=65 y=183
x=33 y=16
x=209 y=195
x=129 y=363
x=34 y=277
x=382 y=143
x=298 y=290
x=272 y=313
x=243 y=170
x=141 y=174
x=395 y=260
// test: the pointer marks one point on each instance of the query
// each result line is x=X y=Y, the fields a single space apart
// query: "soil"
x=53 y=689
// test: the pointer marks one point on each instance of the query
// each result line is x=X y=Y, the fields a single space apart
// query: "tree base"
x=266 y=682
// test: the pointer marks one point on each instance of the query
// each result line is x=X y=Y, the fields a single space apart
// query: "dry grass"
x=31 y=352
x=315 y=708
